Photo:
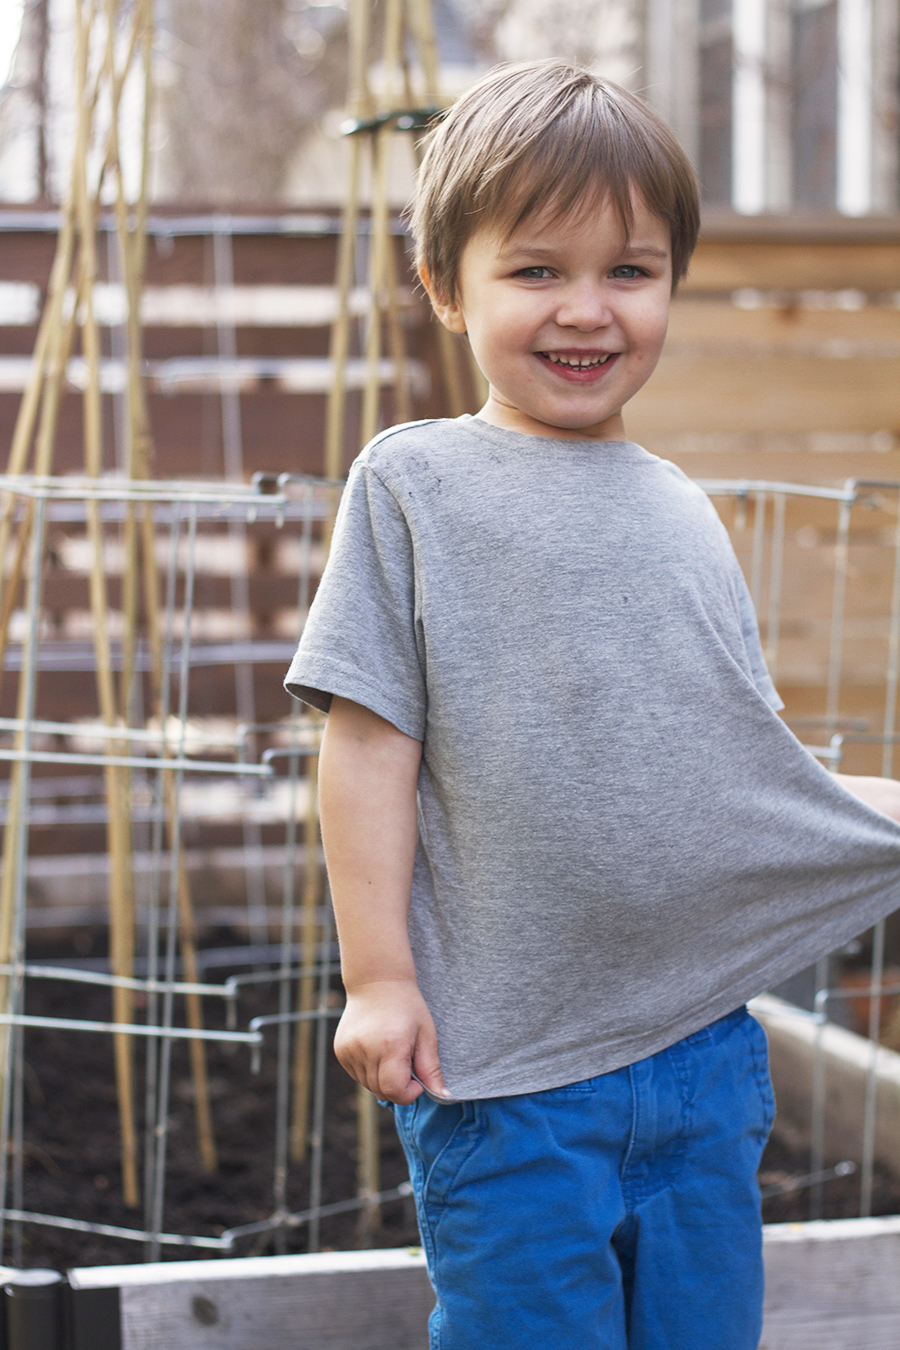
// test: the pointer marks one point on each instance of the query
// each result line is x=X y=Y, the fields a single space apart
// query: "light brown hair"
x=546 y=135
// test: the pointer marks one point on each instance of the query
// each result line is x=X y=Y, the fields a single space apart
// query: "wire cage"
x=135 y=595
x=823 y=567
x=132 y=675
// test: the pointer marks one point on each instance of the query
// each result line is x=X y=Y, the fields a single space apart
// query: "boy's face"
x=566 y=319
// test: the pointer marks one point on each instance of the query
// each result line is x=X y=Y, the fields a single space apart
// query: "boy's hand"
x=385 y=1031
x=882 y=793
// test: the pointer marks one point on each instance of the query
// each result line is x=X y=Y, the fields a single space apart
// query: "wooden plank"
x=720 y=265
x=767 y=393
x=384 y=1310
x=829 y=1286
x=812 y=227
x=369 y=1300
x=832 y=1285
x=694 y=320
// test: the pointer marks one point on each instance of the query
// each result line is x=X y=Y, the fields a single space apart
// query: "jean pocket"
x=458 y=1144
x=759 y=1060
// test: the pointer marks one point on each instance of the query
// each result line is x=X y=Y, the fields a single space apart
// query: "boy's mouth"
x=585 y=361
x=580 y=367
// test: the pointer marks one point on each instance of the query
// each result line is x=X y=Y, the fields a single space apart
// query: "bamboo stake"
x=378 y=266
x=16 y=807
x=340 y=331
x=44 y=394
x=422 y=25
x=360 y=105
x=14 y=900
x=186 y=933
x=186 y=928
x=47 y=380
x=381 y=282
x=50 y=360
x=307 y=985
x=139 y=446
x=368 y=1166
x=383 y=292
x=402 y=397
x=133 y=249
x=51 y=322
x=49 y=368
x=121 y=897
x=448 y=347
x=51 y=318
x=58 y=344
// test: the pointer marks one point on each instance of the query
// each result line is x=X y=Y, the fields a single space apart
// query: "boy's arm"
x=882 y=793
x=368 y=773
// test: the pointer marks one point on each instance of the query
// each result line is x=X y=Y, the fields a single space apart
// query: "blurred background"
x=786 y=345
x=784 y=105
x=273 y=338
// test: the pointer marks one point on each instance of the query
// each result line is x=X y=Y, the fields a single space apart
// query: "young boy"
x=567 y=834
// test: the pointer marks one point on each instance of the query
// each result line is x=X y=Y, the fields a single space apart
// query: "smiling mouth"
x=587 y=361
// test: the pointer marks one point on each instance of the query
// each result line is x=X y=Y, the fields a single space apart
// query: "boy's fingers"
x=428 y=1067
x=394 y=1081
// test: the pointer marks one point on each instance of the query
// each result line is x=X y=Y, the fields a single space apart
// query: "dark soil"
x=72 y=1144
x=840 y=1194
x=72 y=1149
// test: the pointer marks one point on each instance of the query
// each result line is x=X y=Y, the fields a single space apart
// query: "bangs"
x=547 y=138
x=560 y=176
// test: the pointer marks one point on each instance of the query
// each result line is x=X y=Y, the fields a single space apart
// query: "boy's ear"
x=448 y=311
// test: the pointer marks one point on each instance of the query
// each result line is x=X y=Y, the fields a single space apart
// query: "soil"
x=840 y=1194
x=71 y=1134
x=72 y=1145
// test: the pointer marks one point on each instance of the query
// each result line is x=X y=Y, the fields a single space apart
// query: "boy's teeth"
x=577 y=362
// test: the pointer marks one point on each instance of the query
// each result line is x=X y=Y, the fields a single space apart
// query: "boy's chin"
x=572 y=428
x=568 y=425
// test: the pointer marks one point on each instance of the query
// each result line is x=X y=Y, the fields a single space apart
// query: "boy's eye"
x=534 y=273
x=627 y=272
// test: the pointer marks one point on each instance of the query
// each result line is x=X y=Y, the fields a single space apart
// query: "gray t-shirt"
x=619 y=839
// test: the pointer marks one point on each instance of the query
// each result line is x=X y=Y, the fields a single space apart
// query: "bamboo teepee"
x=113 y=45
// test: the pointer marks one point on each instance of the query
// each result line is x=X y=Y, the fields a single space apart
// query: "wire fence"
x=160 y=752
x=823 y=566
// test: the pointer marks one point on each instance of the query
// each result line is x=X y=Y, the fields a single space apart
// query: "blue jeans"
x=622 y=1211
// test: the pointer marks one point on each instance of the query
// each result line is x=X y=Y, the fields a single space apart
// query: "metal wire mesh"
x=824 y=570
x=173 y=760
x=823 y=566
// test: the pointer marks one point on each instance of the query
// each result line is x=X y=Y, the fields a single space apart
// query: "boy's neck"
x=498 y=413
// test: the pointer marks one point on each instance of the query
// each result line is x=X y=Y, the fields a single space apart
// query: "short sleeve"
x=360 y=640
x=752 y=645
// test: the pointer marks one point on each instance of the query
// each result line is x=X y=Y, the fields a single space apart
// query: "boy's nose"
x=585 y=307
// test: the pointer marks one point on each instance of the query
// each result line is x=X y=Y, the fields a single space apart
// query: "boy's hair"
x=546 y=134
